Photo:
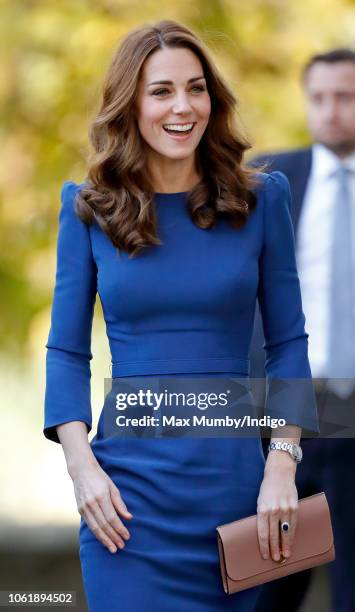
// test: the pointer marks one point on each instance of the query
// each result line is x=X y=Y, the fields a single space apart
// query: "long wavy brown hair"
x=118 y=193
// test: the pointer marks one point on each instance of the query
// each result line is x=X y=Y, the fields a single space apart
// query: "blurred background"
x=54 y=57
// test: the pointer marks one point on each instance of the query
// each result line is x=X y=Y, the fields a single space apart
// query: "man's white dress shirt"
x=313 y=249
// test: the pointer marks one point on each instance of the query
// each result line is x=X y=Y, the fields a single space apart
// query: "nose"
x=330 y=110
x=181 y=104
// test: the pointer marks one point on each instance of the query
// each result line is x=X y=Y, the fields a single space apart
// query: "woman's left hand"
x=277 y=501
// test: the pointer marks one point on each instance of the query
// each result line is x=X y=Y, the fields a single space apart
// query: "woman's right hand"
x=98 y=500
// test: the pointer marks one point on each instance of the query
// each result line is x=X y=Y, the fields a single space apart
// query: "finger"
x=118 y=502
x=285 y=535
x=97 y=531
x=274 y=530
x=113 y=520
x=293 y=513
x=263 y=534
x=103 y=523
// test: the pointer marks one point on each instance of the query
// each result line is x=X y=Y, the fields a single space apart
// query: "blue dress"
x=185 y=307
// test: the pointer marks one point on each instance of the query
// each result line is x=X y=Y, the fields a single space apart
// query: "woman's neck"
x=169 y=175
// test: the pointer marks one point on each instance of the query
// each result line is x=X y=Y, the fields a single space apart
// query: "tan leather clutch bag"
x=242 y=565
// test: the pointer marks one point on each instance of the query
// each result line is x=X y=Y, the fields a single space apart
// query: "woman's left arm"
x=278 y=498
x=290 y=394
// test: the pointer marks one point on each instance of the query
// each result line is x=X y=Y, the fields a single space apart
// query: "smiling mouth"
x=179 y=129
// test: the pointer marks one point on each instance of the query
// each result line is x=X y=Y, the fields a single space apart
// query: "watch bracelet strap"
x=285 y=446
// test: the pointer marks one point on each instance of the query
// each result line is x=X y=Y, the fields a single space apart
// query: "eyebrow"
x=171 y=83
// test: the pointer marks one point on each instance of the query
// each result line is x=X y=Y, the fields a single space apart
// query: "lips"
x=178 y=134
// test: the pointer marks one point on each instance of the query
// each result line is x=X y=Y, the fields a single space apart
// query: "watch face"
x=297 y=452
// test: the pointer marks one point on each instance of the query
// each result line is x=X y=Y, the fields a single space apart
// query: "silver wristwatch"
x=293 y=449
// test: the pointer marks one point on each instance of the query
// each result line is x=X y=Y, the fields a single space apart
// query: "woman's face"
x=173 y=104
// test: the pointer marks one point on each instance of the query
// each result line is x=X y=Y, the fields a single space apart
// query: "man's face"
x=330 y=105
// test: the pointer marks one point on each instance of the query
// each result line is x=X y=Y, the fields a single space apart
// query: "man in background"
x=322 y=180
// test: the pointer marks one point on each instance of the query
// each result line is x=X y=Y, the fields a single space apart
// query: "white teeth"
x=178 y=127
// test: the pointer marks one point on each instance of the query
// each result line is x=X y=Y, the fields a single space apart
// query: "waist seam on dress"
x=181 y=365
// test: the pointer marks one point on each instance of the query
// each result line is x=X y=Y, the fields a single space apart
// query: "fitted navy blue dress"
x=185 y=307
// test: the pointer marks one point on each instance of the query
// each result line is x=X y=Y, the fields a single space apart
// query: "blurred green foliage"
x=54 y=56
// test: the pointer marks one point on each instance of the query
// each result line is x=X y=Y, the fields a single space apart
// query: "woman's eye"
x=158 y=92
x=162 y=91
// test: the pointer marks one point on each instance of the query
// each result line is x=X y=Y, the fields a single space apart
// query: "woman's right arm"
x=68 y=417
x=97 y=496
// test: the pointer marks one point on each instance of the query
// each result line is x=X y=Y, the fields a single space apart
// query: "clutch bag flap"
x=241 y=563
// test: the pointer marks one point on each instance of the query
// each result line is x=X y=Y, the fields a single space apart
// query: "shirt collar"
x=325 y=162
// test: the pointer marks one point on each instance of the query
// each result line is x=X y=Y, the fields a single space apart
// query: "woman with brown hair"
x=179 y=240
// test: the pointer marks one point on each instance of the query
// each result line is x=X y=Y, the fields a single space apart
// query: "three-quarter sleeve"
x=290 y=394
x=68 y=373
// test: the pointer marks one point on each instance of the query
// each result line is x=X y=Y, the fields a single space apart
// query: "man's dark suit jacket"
x=296 y=165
